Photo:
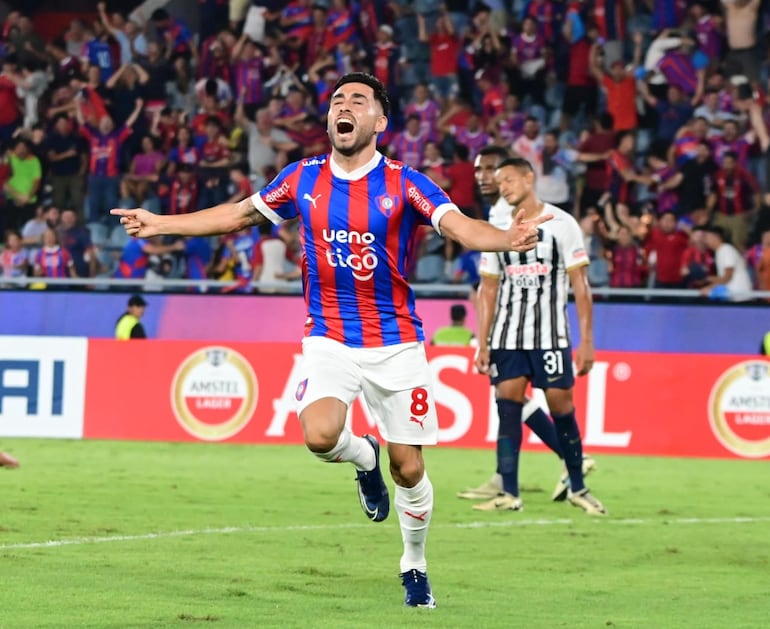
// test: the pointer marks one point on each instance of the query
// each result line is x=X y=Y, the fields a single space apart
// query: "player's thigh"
x=552 y=369
x=330 y=379
x=399 y=395
x=510 y=372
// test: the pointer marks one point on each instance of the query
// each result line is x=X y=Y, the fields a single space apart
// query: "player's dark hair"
x=500 y=151
x=380 y=93
x=731 y=154
x=716 y=230
x=519 y=163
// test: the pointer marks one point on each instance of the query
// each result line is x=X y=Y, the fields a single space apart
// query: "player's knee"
x=320 y=439
x=408 y=472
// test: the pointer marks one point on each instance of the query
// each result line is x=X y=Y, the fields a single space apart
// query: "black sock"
x=572 y=448
x=509 y=444
x=543 y=427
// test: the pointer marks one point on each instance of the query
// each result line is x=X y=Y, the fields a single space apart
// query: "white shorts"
x=395 y=382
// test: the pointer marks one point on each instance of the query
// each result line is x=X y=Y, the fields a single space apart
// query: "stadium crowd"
x=648 y=119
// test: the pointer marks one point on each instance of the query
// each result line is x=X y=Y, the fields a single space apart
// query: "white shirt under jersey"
x=531 y=309
x=739 y=286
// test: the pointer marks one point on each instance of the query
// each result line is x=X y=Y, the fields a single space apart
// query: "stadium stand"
x=647 y=120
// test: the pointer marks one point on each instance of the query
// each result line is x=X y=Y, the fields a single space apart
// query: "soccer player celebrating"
x=525 y=337
x=359 y=211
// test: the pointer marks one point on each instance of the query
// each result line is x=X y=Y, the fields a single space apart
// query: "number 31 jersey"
x=531 y=308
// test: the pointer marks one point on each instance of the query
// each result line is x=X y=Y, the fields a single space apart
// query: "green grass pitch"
x=177 y=535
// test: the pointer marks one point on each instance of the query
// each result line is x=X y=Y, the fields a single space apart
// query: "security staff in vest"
x=129 y=325
x=456 y=334
x=765 y=348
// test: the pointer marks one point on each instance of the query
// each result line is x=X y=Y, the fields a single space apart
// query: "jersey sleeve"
x=575 y=254
x=276 y=201
x=489 y=265
x=426 y=197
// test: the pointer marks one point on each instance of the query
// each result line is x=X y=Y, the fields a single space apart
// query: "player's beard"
x=362 y=139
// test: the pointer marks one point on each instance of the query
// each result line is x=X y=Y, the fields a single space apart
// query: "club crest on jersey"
x=301 y=389
x=386 y=204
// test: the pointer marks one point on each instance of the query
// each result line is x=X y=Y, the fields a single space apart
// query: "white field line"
x=230 y=530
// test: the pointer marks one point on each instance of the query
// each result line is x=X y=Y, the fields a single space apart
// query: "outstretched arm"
x=220 y=219
x=479 y=235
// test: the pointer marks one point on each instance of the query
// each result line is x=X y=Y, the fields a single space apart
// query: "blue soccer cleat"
x=418 y=593
x=372 y=491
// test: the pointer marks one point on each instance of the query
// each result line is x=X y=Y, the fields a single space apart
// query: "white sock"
x=350 y=449
x=530 y=406
x=414 y=506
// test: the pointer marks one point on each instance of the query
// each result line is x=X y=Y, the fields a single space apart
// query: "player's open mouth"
x=344 y=127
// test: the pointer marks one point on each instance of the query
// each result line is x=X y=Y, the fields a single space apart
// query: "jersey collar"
x=359 y=172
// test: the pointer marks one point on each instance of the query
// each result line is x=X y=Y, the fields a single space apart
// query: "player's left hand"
x=523 y=233
x=584 y=358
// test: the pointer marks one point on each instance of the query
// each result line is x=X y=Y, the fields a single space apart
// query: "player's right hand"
x=482 y=361
x=138 y=222
x=523 y=233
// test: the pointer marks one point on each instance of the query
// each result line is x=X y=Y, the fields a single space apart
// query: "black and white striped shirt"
x=531 y=309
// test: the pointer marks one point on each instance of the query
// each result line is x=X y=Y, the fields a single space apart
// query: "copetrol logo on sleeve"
x=277 y=194
x=739 y=409
x=214 y=393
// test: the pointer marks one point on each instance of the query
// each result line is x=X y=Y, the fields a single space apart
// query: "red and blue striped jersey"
x=608 y=16
x=302 y=16
x=105 y=149
x=408 y=148
x=133 y=260
x=358 y=232
x=341 y=27
x=53 y=262
x=249 y=78
x=429 y=112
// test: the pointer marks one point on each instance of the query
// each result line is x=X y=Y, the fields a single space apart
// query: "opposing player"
x=359 y=212
x=485 y=167
x=524 y=331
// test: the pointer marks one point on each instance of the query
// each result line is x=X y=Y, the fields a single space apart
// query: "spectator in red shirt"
x=619 y=85
x=594 y=151
x=10 y=112
x=184 y=191
x=461 y=175
x=665 y=245
x=581 y=90
x=492 y=96
x=214 y=159
x=697 y=261
x=444 y=52
x=627 y=261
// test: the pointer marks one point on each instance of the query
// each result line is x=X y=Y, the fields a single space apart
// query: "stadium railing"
x=295 y=288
